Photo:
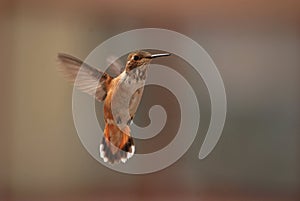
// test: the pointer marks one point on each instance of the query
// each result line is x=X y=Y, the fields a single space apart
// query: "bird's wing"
x=90 y=80
x=115 y=66
x=135 y=101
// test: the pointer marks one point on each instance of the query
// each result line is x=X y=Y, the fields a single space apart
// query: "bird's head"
x=141 y=58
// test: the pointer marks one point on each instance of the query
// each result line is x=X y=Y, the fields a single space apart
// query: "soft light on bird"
x=117 y=144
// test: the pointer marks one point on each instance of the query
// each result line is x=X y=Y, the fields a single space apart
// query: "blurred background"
x=256 y=46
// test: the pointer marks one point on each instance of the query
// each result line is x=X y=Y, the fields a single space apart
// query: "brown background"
x=256 y=46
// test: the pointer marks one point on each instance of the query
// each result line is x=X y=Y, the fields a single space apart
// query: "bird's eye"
x=135 y=57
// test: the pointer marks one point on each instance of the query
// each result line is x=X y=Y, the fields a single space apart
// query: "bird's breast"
x=124 y=96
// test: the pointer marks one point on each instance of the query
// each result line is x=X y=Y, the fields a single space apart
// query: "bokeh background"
x=256 y=46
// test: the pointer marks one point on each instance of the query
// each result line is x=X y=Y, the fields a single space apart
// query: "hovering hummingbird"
x=127 y=87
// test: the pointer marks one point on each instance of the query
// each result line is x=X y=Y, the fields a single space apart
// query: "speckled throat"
x=135 y=76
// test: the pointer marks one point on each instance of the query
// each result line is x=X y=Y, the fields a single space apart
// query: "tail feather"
x=114 y=152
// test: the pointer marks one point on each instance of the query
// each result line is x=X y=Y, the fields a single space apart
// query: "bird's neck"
x=132 y=80
x=135 y=75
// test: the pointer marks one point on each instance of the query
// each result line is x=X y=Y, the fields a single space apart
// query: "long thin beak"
x=159 y=55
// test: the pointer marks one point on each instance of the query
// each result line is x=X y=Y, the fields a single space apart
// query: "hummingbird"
x=121 y=96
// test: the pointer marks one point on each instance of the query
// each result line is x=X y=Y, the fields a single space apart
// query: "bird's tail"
x=116 y=145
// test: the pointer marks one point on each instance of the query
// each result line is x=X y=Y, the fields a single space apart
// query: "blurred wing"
x=115 y=67
x=90 y=80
